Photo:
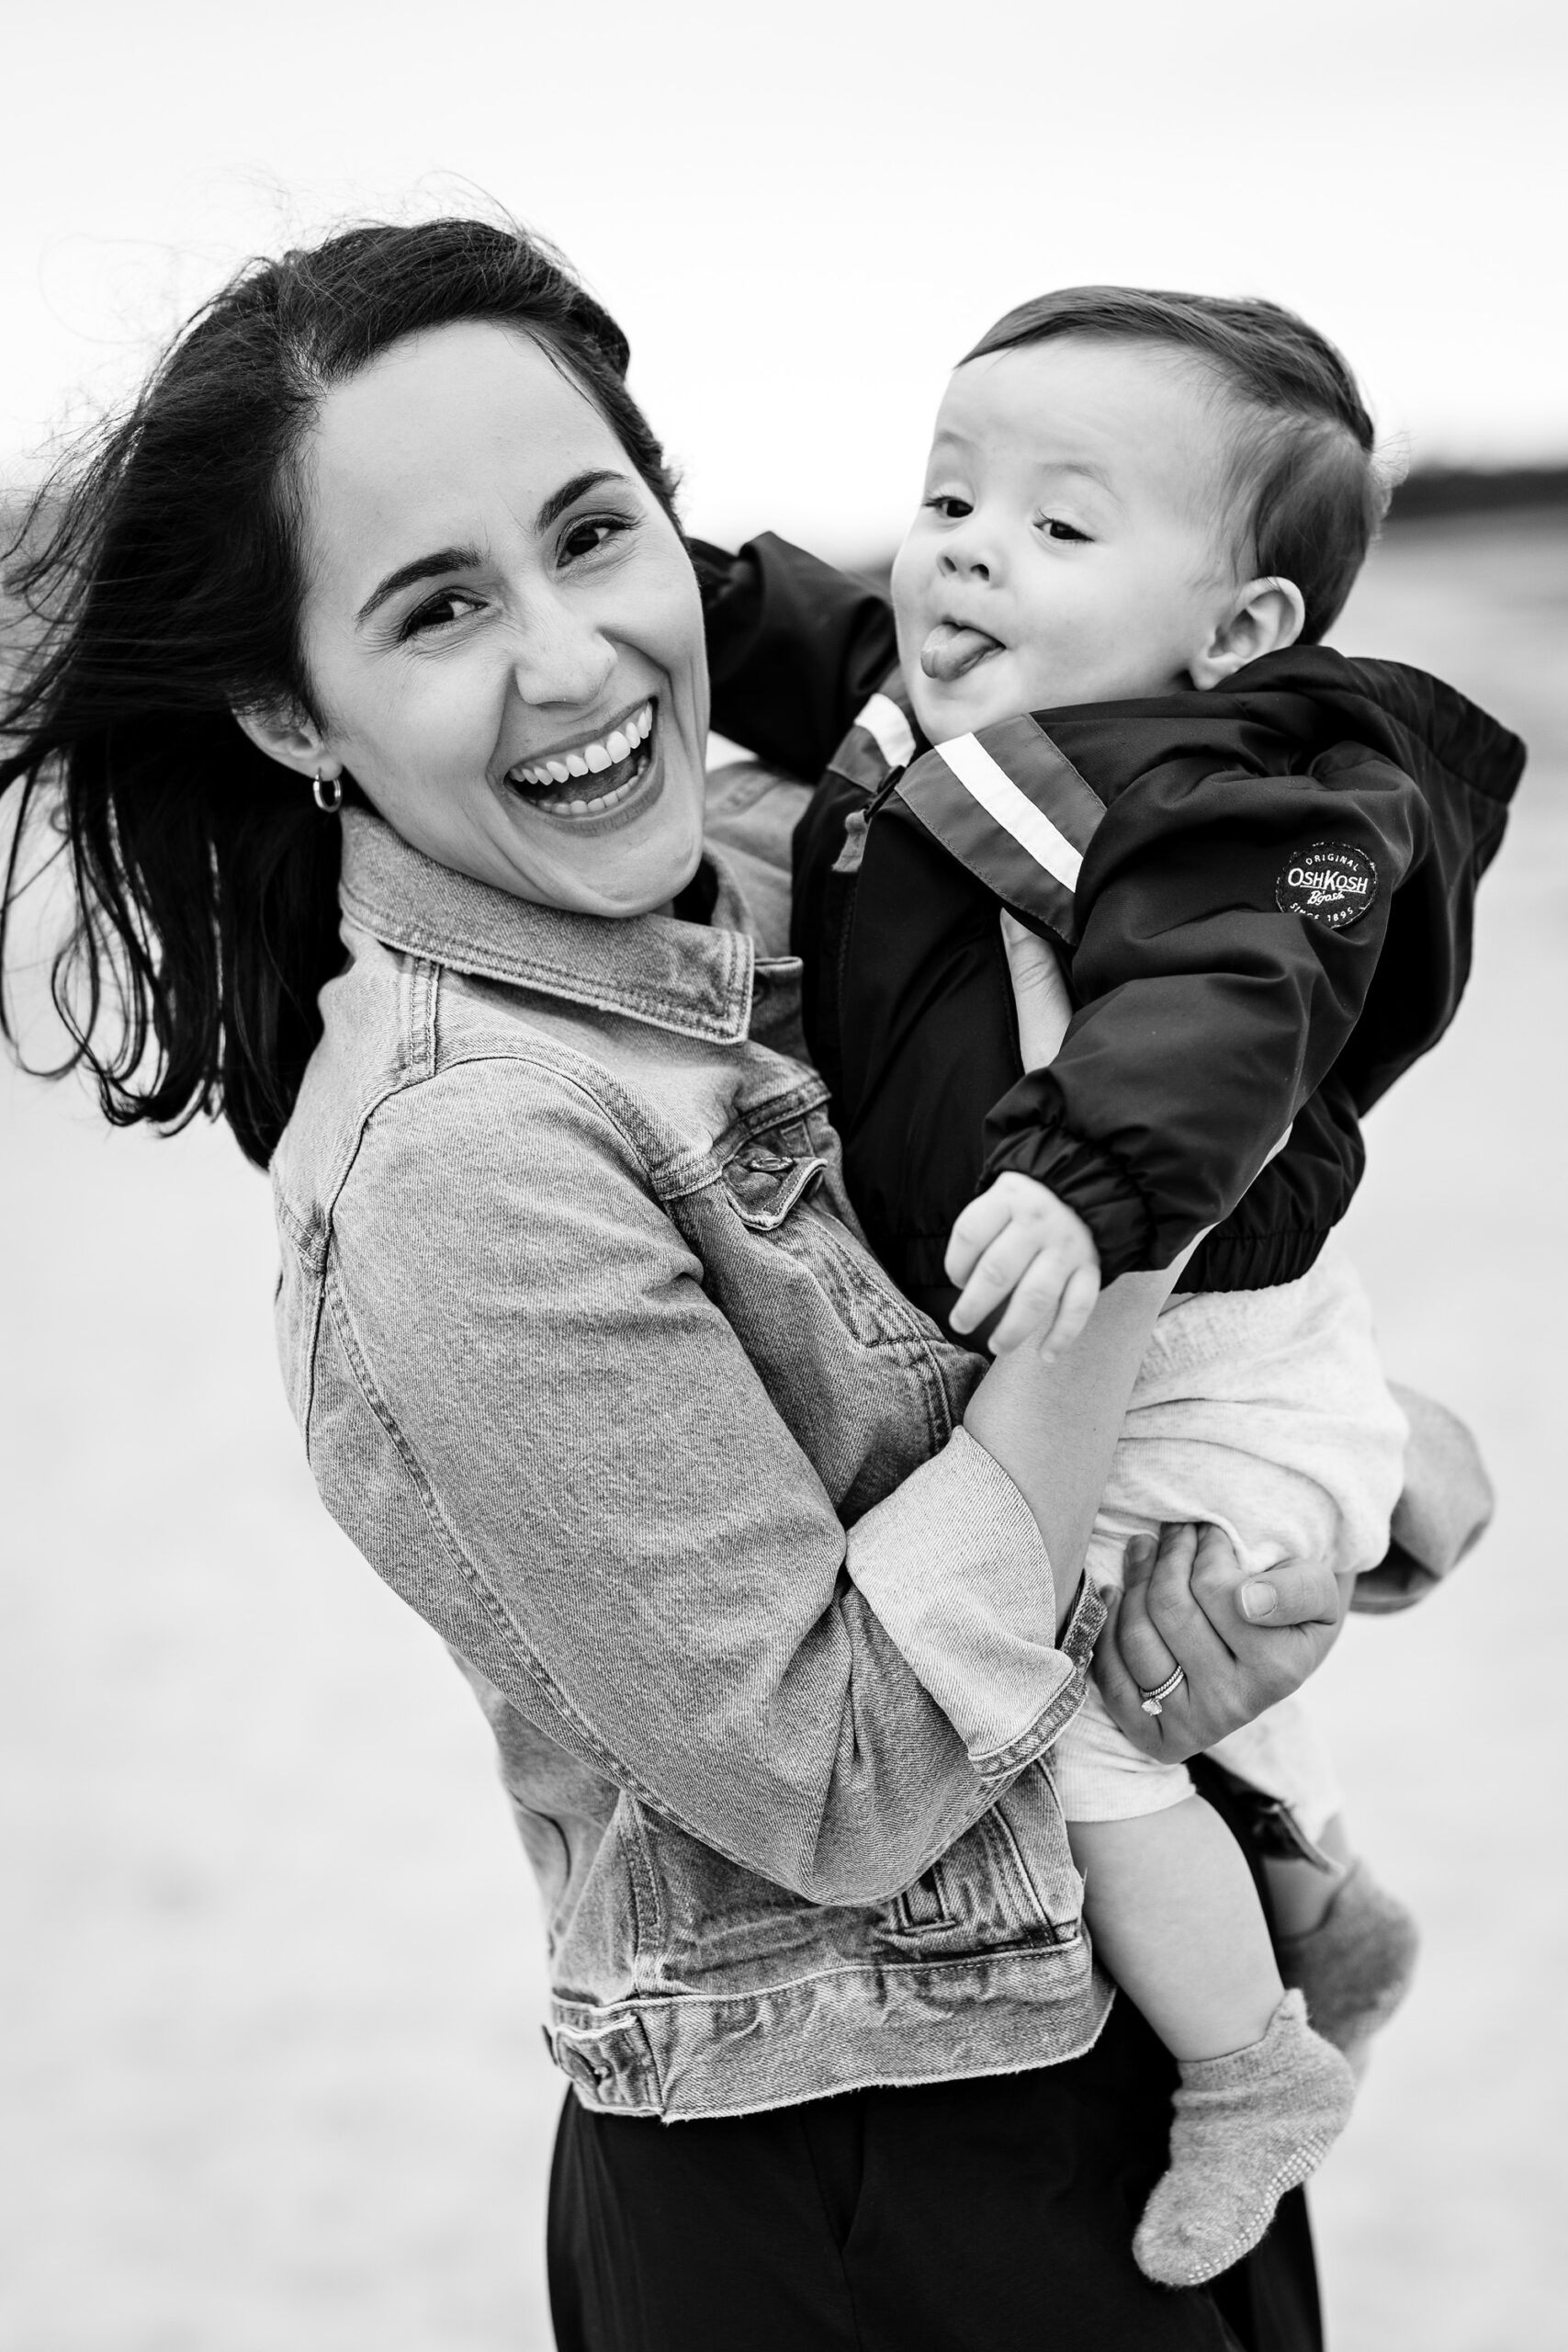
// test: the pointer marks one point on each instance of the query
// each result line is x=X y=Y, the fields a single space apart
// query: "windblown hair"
x=1302 y=484
x=161 y=577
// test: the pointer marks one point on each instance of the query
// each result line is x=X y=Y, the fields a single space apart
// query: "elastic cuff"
x=1092 y=1184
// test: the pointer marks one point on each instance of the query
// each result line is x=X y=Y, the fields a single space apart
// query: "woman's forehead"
x=446 y=427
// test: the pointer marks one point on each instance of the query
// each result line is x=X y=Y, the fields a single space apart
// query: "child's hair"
x=1302 y=482
x=163 y=574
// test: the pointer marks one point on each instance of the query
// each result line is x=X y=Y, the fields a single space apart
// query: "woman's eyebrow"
x=555 y=506
x=408 y=575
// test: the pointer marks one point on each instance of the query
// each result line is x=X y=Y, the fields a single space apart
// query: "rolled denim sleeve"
x=629 y=1541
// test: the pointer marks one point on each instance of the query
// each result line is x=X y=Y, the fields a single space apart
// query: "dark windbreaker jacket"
x=1261 y=896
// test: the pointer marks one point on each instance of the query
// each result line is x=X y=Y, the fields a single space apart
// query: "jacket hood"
x=1317 y=697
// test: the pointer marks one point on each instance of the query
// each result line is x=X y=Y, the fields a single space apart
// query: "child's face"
x=1068 y=547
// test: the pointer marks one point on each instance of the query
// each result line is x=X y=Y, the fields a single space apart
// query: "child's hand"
x=1018 y=1238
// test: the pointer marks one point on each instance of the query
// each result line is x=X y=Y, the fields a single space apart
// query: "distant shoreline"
x=1477 y=490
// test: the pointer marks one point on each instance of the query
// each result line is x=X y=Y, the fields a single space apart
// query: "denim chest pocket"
x=773 y=1192
x=764 y=1186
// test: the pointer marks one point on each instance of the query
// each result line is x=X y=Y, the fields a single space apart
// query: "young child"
x=1213 y=897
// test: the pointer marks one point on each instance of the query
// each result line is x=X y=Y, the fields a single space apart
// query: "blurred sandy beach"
x=270 y=2073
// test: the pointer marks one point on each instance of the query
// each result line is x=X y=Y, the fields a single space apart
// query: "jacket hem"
x=888 y=2027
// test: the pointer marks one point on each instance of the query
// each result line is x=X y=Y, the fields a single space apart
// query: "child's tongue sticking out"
x=950 y=651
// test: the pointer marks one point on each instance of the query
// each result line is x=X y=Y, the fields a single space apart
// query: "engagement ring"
x=1154 y=1700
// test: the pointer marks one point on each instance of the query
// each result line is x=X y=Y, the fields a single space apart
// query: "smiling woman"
x=489 y=622
x=770 y=1593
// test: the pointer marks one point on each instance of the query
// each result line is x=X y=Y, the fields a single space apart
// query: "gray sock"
x=1245 y=2127
x=1355 y=1966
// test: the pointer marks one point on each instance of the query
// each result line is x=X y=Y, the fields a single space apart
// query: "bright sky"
x=803 y=214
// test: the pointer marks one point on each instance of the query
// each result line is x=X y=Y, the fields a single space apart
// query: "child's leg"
x=1301 y=1892
x=1176 y=1919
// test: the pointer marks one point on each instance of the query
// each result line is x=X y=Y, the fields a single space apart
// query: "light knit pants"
x=1266 y=1414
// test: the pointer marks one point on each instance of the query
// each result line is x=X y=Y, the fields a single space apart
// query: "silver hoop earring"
x=327 y=793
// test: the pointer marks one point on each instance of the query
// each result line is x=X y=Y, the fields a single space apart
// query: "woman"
x=771 y=1595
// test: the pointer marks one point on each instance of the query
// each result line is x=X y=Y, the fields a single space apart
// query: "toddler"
x=1213 y=897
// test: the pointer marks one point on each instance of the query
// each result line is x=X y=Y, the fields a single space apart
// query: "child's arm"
x=794 y=650
x=1210 y=1012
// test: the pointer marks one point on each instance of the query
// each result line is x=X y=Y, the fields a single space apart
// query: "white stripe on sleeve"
x=995 y=790
x=889 y=731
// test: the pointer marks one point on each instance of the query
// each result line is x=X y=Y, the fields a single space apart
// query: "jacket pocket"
x=764 y=1186
x=1008 y=1884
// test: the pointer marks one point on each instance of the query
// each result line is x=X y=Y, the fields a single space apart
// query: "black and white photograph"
x=784 y=969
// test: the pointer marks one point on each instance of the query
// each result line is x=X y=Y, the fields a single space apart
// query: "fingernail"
x=1258 y=1600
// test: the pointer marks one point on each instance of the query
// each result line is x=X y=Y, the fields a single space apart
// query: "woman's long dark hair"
x=159 y=583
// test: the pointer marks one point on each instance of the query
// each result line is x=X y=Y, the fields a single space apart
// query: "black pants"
x=990 y=2216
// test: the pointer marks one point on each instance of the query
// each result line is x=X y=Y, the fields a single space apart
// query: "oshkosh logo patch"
x=1329 y=881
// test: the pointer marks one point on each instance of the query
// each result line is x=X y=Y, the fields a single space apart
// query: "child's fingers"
x=1078 y=1296
x=974 y=1232
x=1000 y=1269
x=1034 y=1304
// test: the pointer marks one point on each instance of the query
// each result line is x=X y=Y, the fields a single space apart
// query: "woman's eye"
x=439 y=612
x=595 y=531
x=952 y=510
x=1054 y=528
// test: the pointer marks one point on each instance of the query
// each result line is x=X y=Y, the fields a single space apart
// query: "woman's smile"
x=596 y=777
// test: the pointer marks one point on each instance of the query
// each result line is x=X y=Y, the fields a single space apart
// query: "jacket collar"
x=694 y=978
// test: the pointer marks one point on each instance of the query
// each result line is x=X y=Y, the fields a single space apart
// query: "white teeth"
x=590 y=759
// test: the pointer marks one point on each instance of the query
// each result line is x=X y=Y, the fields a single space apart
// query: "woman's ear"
x=290 y=738
x=1261 y=618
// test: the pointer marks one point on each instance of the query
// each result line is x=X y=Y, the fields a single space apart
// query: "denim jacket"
x=593 y=1367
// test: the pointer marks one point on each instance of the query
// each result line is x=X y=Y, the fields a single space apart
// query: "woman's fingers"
x=1164 y=1618
x=1297 y=1593
x=1165 y=1622
x=1186 y=1605
x=1117 y=1687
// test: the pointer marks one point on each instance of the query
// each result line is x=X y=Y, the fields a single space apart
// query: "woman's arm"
x=575 y=1472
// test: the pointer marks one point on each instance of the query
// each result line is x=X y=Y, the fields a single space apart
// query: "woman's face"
x=502 y=627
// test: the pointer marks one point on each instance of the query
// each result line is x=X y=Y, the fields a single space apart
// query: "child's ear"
x=1260 y=619
x=289 y=737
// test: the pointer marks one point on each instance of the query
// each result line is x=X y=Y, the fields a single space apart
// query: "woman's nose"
x=561 y=655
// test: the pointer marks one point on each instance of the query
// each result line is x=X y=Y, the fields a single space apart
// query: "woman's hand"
x=1241 y=1641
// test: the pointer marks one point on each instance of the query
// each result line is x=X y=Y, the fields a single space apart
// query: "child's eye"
x=952 y=510
x=591 y=532
x=1054 y=528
